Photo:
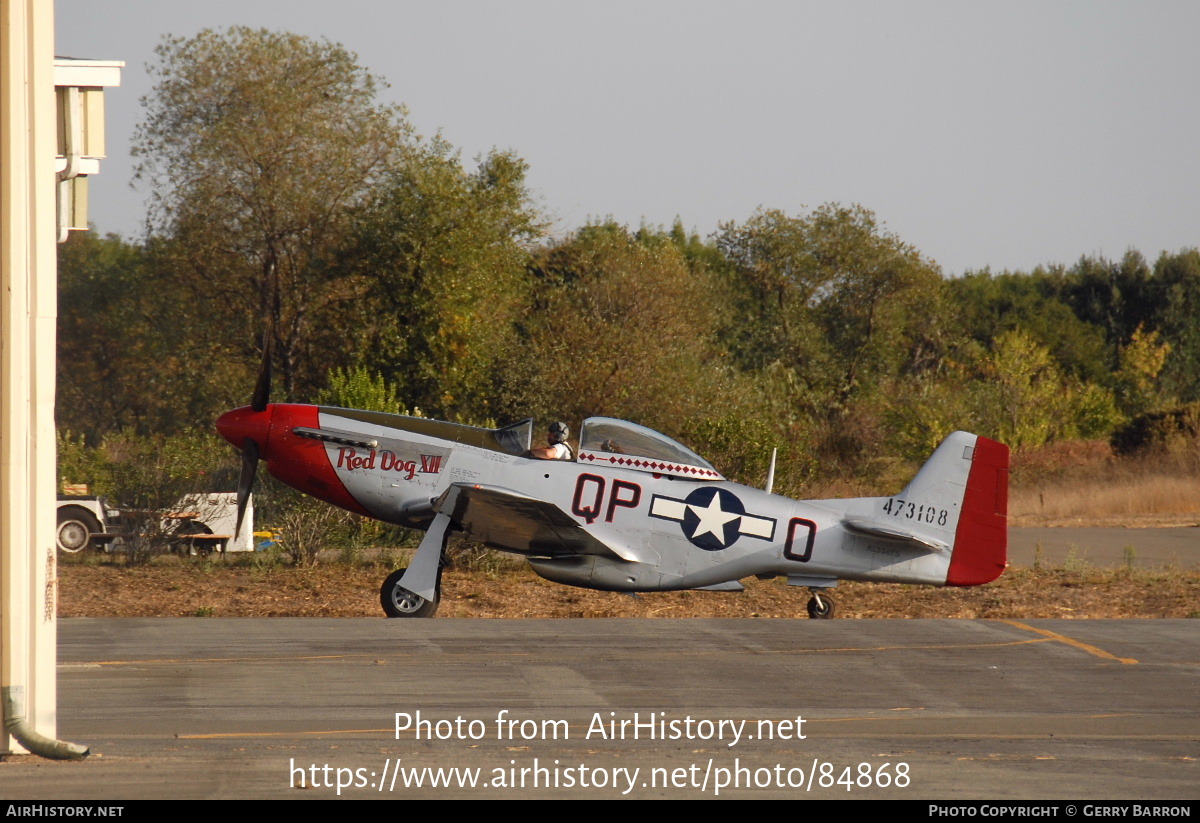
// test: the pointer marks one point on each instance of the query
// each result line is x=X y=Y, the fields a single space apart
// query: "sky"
x=986 y=134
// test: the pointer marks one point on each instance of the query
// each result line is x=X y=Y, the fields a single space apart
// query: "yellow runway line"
x=1070 y=641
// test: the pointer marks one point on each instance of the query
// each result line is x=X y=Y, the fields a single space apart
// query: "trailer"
x=203 y=523
x=196 y=524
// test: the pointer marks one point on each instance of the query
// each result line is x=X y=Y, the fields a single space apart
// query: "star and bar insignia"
x=712 y=518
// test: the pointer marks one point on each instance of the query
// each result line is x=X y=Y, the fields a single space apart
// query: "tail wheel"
x=398 y=601
x=820 y=606
x=75 y=529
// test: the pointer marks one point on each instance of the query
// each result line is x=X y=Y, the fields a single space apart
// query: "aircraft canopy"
x=608 y=441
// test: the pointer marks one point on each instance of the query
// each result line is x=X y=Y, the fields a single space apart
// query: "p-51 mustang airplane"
x=635 y=511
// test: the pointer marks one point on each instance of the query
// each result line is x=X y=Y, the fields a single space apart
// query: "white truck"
x=196 y=524
x=84 y=522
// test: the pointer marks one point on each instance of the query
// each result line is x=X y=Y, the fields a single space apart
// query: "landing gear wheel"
x=820 y=606
x=75 y=529
x=398 y=601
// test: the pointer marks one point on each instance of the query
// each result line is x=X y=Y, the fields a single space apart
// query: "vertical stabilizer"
x=956 y=508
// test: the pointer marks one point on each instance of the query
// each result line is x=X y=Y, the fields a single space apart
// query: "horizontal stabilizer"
x=885 y=531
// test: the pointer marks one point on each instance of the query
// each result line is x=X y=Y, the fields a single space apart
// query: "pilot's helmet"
x=559 y=432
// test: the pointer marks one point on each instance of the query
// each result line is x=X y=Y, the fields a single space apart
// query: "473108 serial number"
x=913 y=511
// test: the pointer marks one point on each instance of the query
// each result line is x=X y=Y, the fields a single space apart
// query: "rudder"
x=980 y=551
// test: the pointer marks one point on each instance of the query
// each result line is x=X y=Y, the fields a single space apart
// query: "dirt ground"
x=176 y=587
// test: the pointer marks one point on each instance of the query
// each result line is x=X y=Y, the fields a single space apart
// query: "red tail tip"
x=981 y=541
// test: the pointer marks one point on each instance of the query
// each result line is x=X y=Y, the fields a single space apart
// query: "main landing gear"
x=398 y=601
x=820 y=606
x=416 y=590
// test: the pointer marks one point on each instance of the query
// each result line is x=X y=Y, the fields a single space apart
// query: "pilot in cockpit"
x=557 y=448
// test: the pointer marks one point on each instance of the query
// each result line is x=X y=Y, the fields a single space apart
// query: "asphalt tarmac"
x=1106 y=547
x=917 y=709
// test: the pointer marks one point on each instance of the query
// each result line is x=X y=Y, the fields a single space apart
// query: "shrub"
x=1168 y=432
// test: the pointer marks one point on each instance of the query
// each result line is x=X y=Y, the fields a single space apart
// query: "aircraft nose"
x=245 y=423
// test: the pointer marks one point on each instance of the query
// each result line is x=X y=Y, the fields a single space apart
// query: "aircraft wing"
x=505 y=519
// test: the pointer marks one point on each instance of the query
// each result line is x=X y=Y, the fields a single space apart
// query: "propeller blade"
x=246 y=480
x=262 y=389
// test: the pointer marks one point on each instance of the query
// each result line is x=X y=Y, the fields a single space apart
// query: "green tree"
x=255 y=146
x=131 y=355
x=1119 y=296
x=445 y=250
x=101 y=284
x=1022 y=397
x=1179 y=276
x=879 y=295
x=778 y=281
x=830 y=294
x=621 y=327
x=359 y=388
x=836 y=310
x=1141 y=362
x=987 y=304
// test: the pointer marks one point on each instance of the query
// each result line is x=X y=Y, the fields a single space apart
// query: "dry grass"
x=1083 y=483
x=1154 y=500
x=335 y=590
